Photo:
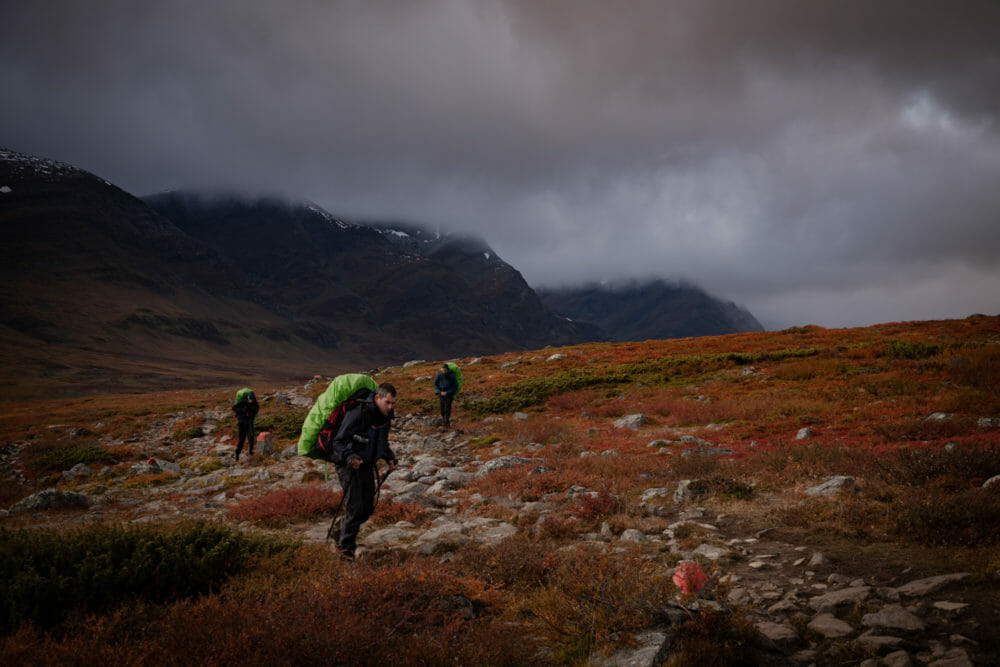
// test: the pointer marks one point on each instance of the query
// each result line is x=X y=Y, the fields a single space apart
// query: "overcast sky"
x=818 y=162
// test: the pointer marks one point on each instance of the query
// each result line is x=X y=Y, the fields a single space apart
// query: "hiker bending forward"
x=361 y=440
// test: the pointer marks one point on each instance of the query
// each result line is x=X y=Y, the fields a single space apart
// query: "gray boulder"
x=503 y=463
x=50 y=498
x=631 y=421
x=831 y=487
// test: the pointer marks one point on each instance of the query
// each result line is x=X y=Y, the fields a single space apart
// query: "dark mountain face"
x=396 y=286
x=104 y=291
x=103 y=294
x=650 y=311
x=107 y=292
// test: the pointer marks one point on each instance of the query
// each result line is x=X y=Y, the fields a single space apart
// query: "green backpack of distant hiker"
x=458 y=374
x=243 y=392
x=330 y=406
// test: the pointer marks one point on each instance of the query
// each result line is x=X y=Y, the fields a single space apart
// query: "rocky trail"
x=810 y=606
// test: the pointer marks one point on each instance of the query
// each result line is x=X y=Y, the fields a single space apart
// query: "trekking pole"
x=381 y=481
x=336 y=512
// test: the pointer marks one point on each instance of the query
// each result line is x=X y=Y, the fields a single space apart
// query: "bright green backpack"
x=458 y=374
x=243 y=392
x=340 y=389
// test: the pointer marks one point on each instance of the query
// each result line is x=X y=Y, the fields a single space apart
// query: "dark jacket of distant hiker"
x=446 y=386
x=246 y=410
x=446 y=383
x=363 y=432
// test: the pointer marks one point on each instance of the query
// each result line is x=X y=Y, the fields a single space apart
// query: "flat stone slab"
x=931 y=584
x=779 y=633
x=830 y=626
x=387 y=536
x=894 y=617
x=651 y=645
x=833 y=599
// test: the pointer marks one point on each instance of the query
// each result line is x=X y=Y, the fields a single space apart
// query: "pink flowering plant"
x=689 y=577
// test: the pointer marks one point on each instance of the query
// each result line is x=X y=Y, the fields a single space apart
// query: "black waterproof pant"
x=446 y=400
x=246 y=433
x=359 y=503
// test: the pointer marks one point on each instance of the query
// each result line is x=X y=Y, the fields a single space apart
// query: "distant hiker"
x=361 y=440
x=246 y=408
x=446 y=386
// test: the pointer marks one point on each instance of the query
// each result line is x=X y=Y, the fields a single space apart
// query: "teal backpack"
x=340 y=390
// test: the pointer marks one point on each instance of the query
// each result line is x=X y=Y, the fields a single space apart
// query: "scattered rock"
x=921 y=587
x=834 y=599
x=894 y=617
x=49 y=498
x=503 y=463
x=830 y=626
x=831 y=487
x=631 y=421
x=265 y=445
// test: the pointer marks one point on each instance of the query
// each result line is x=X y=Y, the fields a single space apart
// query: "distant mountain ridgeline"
x=105 y=291
x=649 y=310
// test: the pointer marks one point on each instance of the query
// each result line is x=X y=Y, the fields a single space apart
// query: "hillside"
x=108 y=292
x=104 y=293
x=649 y=310
x=839 y=488
x=405 y=290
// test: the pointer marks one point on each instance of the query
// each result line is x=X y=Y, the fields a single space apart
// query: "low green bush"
x=283 y=425
x=537 y=390
x=971 y=518
x=903 y=349
x=57 y=456
x=45 y=574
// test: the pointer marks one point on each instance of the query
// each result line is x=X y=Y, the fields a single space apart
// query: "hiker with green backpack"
x=246 y=408
x=446 y=384
x=349 y=427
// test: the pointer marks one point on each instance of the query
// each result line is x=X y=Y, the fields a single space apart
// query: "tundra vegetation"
x=911 y=411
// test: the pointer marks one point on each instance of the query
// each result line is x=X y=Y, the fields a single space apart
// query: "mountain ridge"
x=111 y=292
x=651 y=309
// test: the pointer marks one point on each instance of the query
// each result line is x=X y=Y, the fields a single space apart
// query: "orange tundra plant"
x=283 y=506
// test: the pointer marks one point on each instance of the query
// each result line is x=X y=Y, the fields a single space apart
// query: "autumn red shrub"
x=389 y=512
x=414 y=612
x=558 y=527
x=922 y=428
x=935 y=517
x=589 y=506
x=596 y=601
x=574 y=402
x=519 y=563
x=976 y=366
x=287 y=505
x=519 y=483
x=956 y=468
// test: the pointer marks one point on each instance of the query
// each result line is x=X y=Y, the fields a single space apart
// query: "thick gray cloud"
x=819 y=162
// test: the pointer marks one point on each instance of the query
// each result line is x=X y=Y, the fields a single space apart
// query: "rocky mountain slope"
x=108 y=292
x=387 y=285
x=649 y=310
x=105 y=293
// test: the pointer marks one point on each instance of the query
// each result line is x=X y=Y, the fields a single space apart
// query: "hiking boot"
x=346 y=554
